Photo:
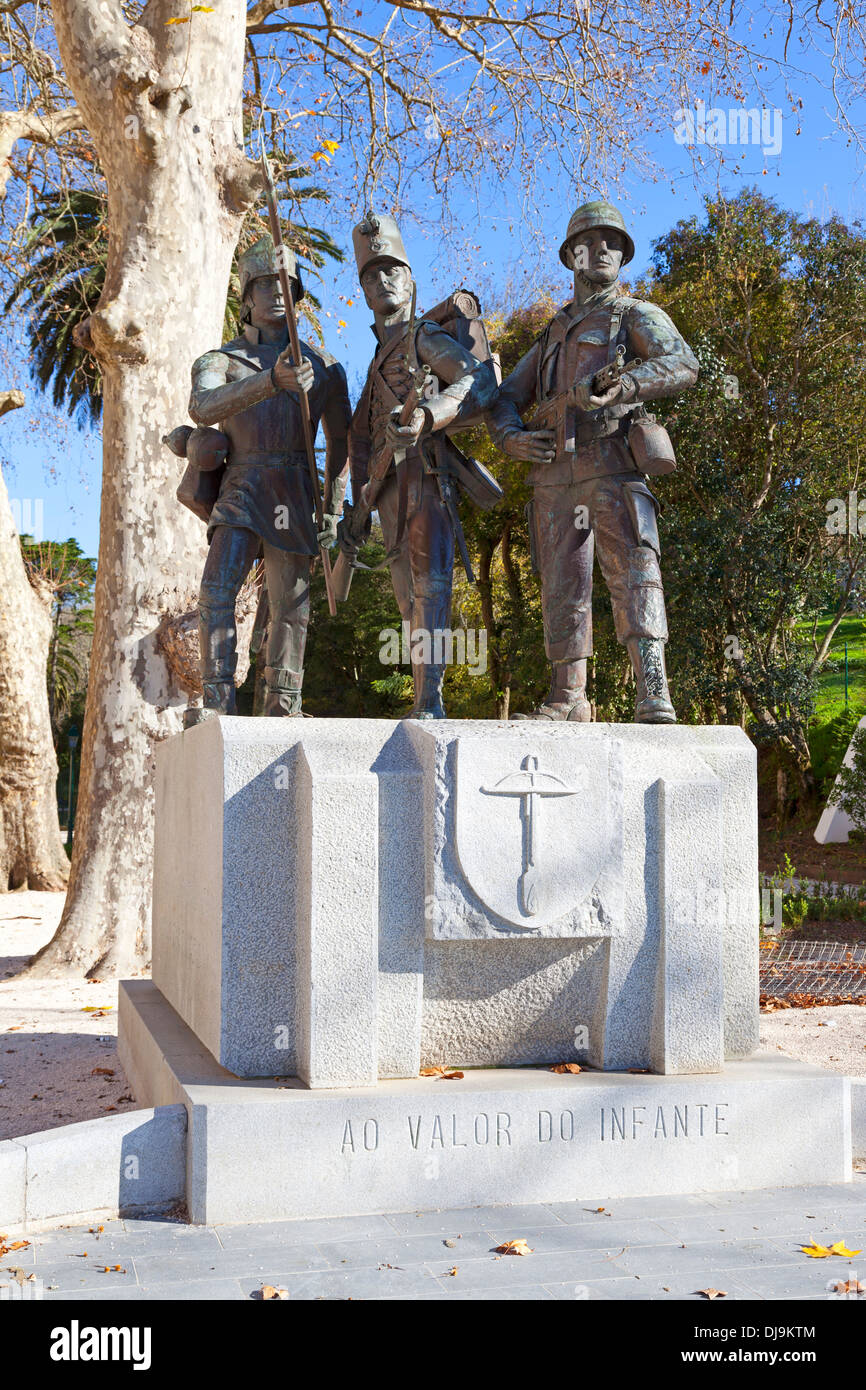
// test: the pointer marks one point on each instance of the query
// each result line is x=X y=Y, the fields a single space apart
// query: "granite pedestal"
x=341 y=903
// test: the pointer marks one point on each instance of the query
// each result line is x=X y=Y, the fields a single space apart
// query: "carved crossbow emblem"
x=530 y=785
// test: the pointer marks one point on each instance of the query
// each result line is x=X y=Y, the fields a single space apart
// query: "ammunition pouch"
x=282 y=679
x=643 y=511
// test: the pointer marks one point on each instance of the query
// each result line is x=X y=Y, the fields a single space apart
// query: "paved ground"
x=746 y=1244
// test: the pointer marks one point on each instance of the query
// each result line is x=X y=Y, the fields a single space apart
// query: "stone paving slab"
x=455 y=1222
x=287 y=1233
x=357 y=1283
x=830 y=1224
x=168 y=1266
x=648 y=1249
x=629 y=1289
x=808 y=1279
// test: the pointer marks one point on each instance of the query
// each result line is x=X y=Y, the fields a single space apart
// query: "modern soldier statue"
x=590 y=443
x=249 y=389
x=414 y=511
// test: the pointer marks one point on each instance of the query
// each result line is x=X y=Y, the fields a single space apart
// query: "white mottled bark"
x=31 y=850
x=162 y=104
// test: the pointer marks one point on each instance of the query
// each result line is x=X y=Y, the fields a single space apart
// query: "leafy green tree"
x=507 y=601
x=64 y=260
x=773 y=305
x=69 y=576
x=849 y=794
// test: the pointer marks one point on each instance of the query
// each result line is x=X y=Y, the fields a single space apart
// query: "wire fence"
x=824 y=969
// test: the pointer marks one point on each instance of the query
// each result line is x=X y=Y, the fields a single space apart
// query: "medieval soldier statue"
x=249 y=389
x=590 y=443
x=416 y=501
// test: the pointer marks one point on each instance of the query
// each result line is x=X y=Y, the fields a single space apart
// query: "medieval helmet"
x=261 y=259
x=378 y=238
x=595 y=214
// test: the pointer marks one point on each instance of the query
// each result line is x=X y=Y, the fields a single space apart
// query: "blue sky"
x=815 y=172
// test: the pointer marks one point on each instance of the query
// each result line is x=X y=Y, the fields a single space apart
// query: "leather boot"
x=566 y=700
x=428 y=692
x=216 y=634
x=653 y=699
x=282 y=691
x=219 y=698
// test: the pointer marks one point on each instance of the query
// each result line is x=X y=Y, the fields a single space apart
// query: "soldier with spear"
x=268 y=392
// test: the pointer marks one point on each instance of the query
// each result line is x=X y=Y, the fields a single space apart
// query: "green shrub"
x=849 y=794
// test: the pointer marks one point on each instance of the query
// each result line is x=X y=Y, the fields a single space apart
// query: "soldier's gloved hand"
x=328 y=535
x=399 y=436
x=289 y=378
x=583 y=396
x=535 y=446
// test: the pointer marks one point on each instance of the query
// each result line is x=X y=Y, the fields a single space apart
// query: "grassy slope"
x=833 y=724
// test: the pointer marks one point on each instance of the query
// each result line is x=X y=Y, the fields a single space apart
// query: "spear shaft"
x=295 y=344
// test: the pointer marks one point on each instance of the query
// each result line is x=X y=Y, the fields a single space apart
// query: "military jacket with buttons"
x=460 y=386
x=266 y=487
x=578 y=342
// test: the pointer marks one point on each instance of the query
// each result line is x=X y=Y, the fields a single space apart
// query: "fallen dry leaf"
x=822 y=1252
x=514 y=1247
x=712 y=1293
x=442 y=1073
x=102 y=1071
x=453 y=1271
x=843 y=1286
x=562 y=1067
x=451 y=1076
x=268 y=1291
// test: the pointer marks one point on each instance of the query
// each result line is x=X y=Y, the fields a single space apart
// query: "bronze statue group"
x=573 y=409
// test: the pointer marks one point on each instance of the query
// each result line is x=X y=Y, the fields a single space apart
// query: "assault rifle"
x=357 y=514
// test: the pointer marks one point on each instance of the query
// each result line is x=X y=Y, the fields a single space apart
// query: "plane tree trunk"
x=31 y=850
x=162 y=103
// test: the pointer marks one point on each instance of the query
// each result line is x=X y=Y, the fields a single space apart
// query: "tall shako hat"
x=595 y=214
x=377 y=238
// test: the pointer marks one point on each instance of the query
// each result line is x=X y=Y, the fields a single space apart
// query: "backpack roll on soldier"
x=425 y=380
x=249 y=480
x=591 y=444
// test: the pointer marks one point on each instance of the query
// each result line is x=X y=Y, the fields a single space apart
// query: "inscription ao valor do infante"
x=499 y=1129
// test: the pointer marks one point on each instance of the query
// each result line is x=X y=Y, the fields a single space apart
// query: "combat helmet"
x=378 y=238
x=595 y=214
x=261 y=259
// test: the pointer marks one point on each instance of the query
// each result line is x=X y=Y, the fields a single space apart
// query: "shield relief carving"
x=538 y=832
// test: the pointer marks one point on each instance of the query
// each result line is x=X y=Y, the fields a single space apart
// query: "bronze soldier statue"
x=416 y=502
x=249 y=388
x=591 y=443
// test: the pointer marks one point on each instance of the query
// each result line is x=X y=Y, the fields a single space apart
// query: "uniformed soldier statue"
x=415 y=521
x=588 y=493
x=249 y=389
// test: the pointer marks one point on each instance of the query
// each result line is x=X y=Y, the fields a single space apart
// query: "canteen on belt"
x=651 y=446
x=207 y=448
